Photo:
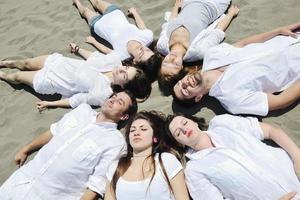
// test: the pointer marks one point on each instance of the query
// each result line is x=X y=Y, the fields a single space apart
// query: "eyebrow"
x=123 y=102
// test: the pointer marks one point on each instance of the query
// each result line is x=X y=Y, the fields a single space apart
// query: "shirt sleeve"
x=148 y=34
x=199 y=186
x=205 y=40
x=111 y=170
x=98 y=179
x=240 y=125
x=171 y=165
x=252 y=102
x=163 y=41
x=103 y=63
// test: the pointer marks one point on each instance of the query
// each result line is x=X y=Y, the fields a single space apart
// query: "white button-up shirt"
x=76 y=158
x=254 y=71
x=206 y=39
x=240 y=166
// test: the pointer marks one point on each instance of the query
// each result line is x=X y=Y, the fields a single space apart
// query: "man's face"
x=189 y=87
x=171 y=65
x=116 y=105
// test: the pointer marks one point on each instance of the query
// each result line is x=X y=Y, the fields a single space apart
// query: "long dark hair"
x=139 y=86
x=170 y=140
x=156 y=121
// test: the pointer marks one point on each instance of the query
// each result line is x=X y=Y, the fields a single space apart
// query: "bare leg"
x=19 y=77
x=84 y=11
x=100 y=5
x=30 y=64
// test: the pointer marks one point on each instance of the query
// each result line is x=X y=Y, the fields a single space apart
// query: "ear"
x=124 y=117
x=134 y=61
x=198 y=98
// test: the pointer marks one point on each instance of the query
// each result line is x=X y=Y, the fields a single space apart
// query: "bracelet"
x=76 y=49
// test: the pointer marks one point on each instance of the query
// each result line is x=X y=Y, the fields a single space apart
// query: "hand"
x=233 y=10
x=21 y=157
x=288 y=196
x=90 y=40
x=73 y=48
x=288 y=30
x=131 y=12
x=178 y=3
x=42 y=105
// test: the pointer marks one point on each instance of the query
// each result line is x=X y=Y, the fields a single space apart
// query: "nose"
x=136 y=133
x=184 y=84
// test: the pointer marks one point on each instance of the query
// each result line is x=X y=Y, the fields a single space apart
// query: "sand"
x=32 y=28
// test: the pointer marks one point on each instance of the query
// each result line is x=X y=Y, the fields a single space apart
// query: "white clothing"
x=158 y=188
x=76 y=158
x=73 y=79
x=240 y=166
x=253 y=71
x=115 y=28
x=205 y=39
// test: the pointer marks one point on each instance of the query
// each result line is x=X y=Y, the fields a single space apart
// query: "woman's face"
x=140 y=135
x=123 y=74
x=184 y=130
x=171 y=65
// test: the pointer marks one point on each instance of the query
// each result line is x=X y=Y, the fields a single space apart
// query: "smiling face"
x=171 y=65
x=190 y=86
x=123 y=74
x=140 y=135
x=184 y=130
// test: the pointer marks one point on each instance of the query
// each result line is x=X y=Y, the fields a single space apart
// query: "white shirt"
x=253 y=71
x=74 y=79
x=158 y=189
x=115 y=28
x=206 y=39
x=240 y=166
x=76 y=158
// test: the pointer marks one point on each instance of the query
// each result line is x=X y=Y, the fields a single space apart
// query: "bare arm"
x=89 y=195
x=285 y=98
x=138 y=19
x=42 y=105
x=102 y=48
x=224 y=23
x=288 y=196
x=175 y=9
x=285 y=30
x=74 y=48
x=284 y=141
x=179 y=187
x=109 y=194
x=36 y=144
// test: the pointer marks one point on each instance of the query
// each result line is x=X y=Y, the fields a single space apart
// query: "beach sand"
x=32 y=28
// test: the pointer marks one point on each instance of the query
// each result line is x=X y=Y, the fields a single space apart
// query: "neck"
x=178 y=49
x=203 y=142
x=142 y=154
x=131 y=46
x=109 y=75
x=103 y=118
x=210 y=78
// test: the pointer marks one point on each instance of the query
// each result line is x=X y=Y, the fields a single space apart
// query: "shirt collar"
x=104 y=124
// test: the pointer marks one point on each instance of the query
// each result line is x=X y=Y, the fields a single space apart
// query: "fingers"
x=41 y=106
x=20 y=160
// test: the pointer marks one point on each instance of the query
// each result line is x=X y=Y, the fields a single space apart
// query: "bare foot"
x=2 y=75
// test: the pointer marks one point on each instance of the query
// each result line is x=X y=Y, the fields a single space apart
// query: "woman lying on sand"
x=78 y=81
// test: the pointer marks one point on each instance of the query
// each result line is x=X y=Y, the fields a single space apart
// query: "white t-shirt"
x=243 y=87
x=240 y=166
x=115 y=28
x=158 y=189
x=74 y=79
